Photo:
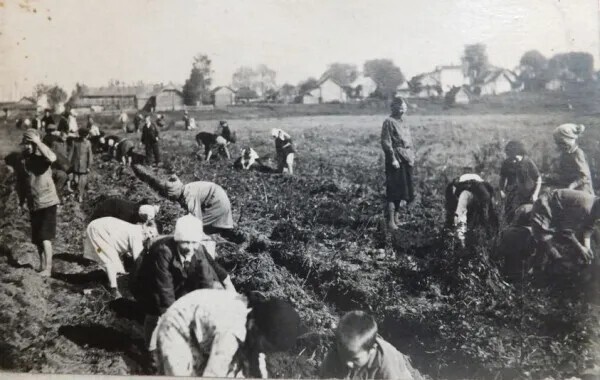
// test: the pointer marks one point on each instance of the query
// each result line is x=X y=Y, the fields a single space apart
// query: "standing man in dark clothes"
x=150 y=141
x=173 y=267
x=42 y=199
x=47 y=120
x=397 y=144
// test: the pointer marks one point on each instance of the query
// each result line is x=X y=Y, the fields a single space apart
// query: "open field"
x=317 y=238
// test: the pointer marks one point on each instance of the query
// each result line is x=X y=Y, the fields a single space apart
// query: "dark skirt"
x=43 y=224
x=399 y=183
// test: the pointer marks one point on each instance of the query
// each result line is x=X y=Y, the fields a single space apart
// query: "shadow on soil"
x=95 y=276
x=109 y=339
x=128 y=309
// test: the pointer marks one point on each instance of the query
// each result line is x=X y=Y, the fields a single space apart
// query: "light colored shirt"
x=385 y=362
x=212 y=322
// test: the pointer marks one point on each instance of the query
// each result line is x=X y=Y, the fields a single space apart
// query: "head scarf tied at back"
x=189 y=228
x=173 y=187
x=568 y=132
x=279 y=133
x=148 y=212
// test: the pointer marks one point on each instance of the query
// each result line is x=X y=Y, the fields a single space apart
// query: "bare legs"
x=45 y=252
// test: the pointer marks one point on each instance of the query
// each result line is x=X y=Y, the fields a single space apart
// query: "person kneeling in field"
x=108 y=238
x=285 y=151
x=562 y=215
x=469 y=204
x=208 y=202
x=126 y=210
x=360 y=353
x=172 y=267
x=250 y=160
x=212 y=333
x=212 y=143
x=515 y=244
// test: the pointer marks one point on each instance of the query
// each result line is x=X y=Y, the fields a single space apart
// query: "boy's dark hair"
x=83 y=132
x=357 y=325
x=515 y=148
x=276 y=320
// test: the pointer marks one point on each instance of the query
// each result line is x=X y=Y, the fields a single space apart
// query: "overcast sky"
x=92 y=41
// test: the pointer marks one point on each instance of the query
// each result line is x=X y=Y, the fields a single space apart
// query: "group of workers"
x=537 y=221
x=196 y=323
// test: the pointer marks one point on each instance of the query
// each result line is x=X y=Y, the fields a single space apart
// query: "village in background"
x=473 y=81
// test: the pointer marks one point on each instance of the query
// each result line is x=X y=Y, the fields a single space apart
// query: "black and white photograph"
x=302 y=189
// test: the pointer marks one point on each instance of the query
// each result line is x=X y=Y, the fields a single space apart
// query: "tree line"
x=260 y=82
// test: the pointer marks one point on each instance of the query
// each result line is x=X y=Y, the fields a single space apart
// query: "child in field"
x=573 y=171
x=520 y=179
x=360 y=353
x=80 y=157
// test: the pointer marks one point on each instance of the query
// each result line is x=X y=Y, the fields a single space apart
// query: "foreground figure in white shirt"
x=215 y=333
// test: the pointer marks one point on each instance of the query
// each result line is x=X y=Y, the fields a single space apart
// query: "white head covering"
x=470 y=177
x=275 y=132
x=148 y=212
x=189 y=228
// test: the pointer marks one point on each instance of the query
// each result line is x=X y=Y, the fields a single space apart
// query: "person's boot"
x=390 y=214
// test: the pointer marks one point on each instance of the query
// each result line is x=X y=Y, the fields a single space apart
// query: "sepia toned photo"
x=314 y=189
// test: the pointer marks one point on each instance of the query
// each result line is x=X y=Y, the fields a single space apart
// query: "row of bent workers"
x=196 y=323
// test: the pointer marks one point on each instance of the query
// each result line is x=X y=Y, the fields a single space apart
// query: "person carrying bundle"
x=108 y=238
x=212 y=333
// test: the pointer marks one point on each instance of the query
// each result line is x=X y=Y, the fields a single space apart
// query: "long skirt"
x=399 y=183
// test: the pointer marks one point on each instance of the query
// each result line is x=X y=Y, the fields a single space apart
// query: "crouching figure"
x=566 y=216
x=215 y=333
x=469 y=204
x=108 y=238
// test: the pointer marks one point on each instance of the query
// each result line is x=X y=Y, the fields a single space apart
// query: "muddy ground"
x=317 y=240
